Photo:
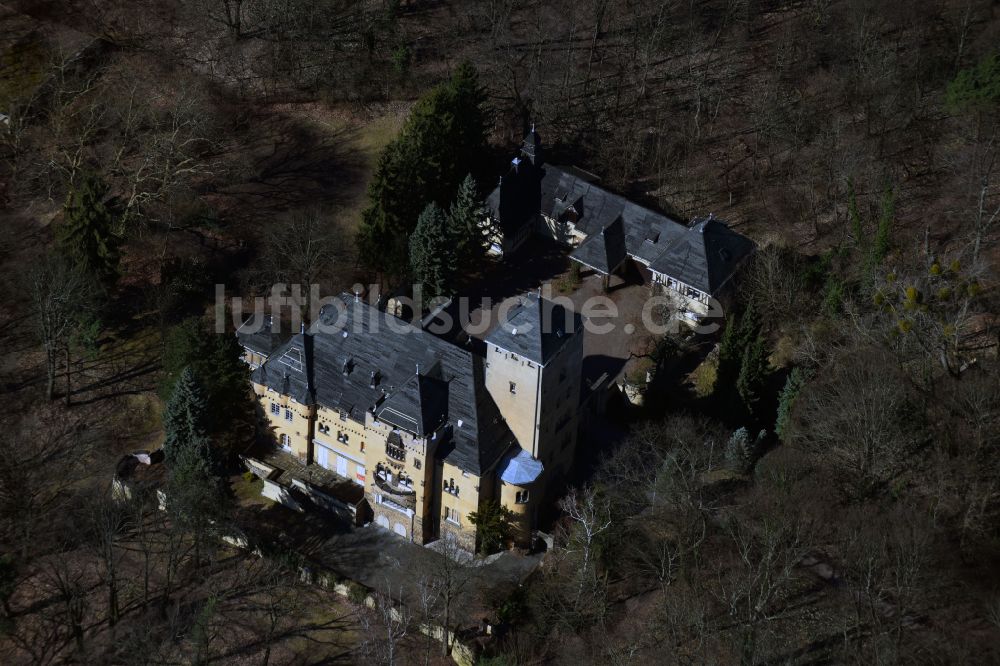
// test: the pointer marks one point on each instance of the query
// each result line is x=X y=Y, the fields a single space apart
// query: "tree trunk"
x=68 y=380
x=445 y=626
x=112 y=599
x=50 y=367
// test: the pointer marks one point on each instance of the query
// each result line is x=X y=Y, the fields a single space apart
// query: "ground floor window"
x=286 y=442
x=452 y=516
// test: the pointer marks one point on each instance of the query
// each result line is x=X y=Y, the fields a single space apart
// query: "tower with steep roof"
x=533 y=362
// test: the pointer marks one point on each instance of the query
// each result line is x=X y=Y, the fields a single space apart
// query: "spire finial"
x=532 y=127
x=418 y=369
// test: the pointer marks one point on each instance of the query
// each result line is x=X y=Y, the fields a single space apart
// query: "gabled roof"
x=420 y=405
x=258 y=335
x=535 y=328
x=289 y=370
x=603 y=251
x=706 y=256
x=565 y=188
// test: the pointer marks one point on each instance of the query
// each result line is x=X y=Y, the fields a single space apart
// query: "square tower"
x=533 y=364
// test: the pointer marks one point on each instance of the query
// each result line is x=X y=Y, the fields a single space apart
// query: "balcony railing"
x=394 y=489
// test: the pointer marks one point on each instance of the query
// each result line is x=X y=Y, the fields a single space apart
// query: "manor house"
x=429 y=428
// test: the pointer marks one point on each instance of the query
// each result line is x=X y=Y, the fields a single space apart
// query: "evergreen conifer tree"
x=494 y=525
x=742 y=452
x=880 y=245
x=220 y=373
x=753 y=373
x=793 y=385
x=441 y=142
x=432 y=252
x=185 y=424
x=738 y=454
x=86 y=236
x=465 y=220
x=735 y=340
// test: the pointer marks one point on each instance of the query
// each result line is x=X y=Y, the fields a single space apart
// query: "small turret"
x=531 y=147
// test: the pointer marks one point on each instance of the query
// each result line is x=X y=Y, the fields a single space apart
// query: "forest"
x=823 y=487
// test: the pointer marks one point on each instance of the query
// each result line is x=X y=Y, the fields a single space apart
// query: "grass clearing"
x=247 y=488
x=704 y=376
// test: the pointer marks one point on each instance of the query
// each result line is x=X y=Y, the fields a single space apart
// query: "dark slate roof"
x=257 y=335
x=420 y=405
x=566 y=190
x=535 y=328
x=513 y=203
x=604 y=251
x=365 y=359
x=705 y=256
x=531 y=147
x=700 y=256
x=289 y=370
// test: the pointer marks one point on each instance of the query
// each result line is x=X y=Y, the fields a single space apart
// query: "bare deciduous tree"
x=385 y=624
x=59 y=299
x=857 y=417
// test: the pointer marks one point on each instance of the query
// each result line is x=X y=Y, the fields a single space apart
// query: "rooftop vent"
x=375 y=378
x=348 y=365
x=513 y=331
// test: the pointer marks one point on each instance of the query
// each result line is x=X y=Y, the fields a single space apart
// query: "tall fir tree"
x=753 y=374
x=739 y=334
x=219 y=371
x=432 y=256
x=86 y=236
x=465 y=220
x=793 y=385
x=443 y=139
x=880 y=245
x=185 y=421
